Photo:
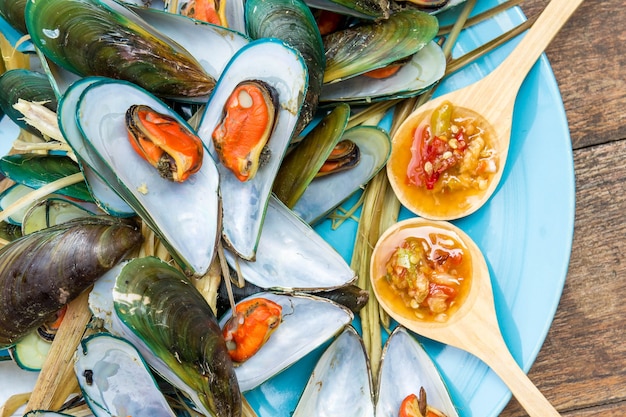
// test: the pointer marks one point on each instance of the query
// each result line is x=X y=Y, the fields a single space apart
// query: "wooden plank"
x=583 y=361
x=591 y=70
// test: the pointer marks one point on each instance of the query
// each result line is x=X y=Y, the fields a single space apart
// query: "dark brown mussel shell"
x=43 y=271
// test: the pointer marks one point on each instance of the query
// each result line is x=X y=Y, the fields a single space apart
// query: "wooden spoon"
x=473 y=327
x=494 y=98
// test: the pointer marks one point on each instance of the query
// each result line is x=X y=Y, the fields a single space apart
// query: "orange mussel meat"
x=247 y=124
x=250 y=327
x=165 y=143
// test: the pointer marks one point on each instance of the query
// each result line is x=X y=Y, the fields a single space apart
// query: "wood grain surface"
x=581 y=368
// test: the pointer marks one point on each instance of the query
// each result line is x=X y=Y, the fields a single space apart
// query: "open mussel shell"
x=292 y=256
x=325 y=193
x=194 y=36
x=45 y=270
x=115 y=381
x=405 y=367
x=101 y=181
x=362 y=48
x=120 y=45
x=368 y=9
x=244 y=203
x=27 y=85
x=303 y=163
x=186 y=216
x=156 y=308
x=230 y=13
x=292 y=21
x=424 y=69
x=341 y=383
x=307 y=322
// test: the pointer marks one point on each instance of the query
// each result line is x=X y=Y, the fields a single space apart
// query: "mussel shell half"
x=50 y=212
x=27 y=85
x=292 y=22
x=93 y=37
x=308 y=322
x=244 y=203
x=423 y=70
x=341 y=384
x=368 y=9
x=365 y=47
x=156 y=308
x=326 y=193
x=186 y=216
x=102 y=182
x=36 y=171
x=405 y=367
x=115 y=381
x=43 y=271
x=292 y=256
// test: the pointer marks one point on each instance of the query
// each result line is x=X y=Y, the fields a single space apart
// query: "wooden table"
x=581 y=368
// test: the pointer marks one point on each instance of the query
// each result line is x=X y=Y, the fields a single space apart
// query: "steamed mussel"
x=157 y=309
x=247 y=124
x=43 y=271
x=93 y=37
x=169 y=146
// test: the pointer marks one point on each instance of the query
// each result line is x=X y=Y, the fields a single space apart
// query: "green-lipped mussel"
x=244 y=203
x=369 y=46
x=156 y=308
x=41 y=272
x=119 y=45
x=186 y=216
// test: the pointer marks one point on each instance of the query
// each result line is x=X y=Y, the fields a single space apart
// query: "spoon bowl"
x=471 y=323
x=493 y=97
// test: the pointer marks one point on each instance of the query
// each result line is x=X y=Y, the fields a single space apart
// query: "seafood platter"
x=191 y=193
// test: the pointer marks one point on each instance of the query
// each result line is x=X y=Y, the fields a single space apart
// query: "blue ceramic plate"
x=525 y=232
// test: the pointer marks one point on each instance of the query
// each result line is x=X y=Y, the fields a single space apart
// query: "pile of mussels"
x=209 y=124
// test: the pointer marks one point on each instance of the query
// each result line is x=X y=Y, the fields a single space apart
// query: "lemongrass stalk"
x=246 y=408
x=13 y=403
x=481 y=17
x=11 y=58
x=41 y=118
x=35 y=195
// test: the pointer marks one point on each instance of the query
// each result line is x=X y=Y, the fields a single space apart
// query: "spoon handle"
x=526 y=393
x=536 y=40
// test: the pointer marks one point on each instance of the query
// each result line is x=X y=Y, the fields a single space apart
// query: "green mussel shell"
x=43 y=271
x=292 y=22
x=13 y=12
x=35 y=171
x=26 y=85
x=92 y=37
x=163 y=309
x=366 y=47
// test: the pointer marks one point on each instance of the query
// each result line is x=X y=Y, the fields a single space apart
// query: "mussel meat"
x=206 y=10
x=167 y=145
x=345 y=155
x=251 y=325
x=248 y=121
x=43 y=271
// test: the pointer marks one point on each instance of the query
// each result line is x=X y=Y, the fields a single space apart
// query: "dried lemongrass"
x=13 y=403
x=11 y=58
x=57 y=379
